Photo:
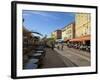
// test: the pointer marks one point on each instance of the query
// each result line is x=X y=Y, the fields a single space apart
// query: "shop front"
x=82 y=43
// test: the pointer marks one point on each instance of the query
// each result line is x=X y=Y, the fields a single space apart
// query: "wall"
x=5 y=41
x=82 y=24
x=69 y=31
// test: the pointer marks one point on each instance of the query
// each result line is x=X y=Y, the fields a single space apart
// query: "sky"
x=46 y=22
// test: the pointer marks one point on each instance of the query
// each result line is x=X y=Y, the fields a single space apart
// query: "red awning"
x=84 y=38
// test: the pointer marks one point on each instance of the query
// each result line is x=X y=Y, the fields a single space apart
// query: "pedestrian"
x=52 y=45
x=57 y=46
x=62 y=46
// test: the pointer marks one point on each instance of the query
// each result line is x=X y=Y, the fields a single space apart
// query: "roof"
x=68 y=24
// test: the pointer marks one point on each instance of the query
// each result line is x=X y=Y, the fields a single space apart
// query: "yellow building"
x=63 y=33
x=82 y=24
x=82 y=28
x=68 y=32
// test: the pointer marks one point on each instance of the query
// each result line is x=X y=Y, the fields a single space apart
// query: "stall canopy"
x=84 y=38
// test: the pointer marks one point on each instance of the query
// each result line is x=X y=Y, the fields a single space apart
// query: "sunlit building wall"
x=82 y=24
x=63 y=33
x=68 y=32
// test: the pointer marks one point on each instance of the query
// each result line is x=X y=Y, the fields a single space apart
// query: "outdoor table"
x=40 y=51
x=39 y=56
x=32 y=64
x=33 y=60
x=36 y=55
x=39 y=48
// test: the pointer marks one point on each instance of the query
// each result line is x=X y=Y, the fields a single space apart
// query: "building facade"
x=82 y=24
x=82 y=28
x=56 y=34
x=68 y=32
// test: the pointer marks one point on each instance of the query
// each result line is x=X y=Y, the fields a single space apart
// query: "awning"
x=66 y=39
x=84 y=38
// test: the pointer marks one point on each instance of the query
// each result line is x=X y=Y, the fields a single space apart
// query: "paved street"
x=74 y=57
x=68 y=57
x=52 y=59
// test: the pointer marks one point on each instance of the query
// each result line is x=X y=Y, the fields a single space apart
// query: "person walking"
x=62 y=46
x=52 y=45
x=58 y=46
